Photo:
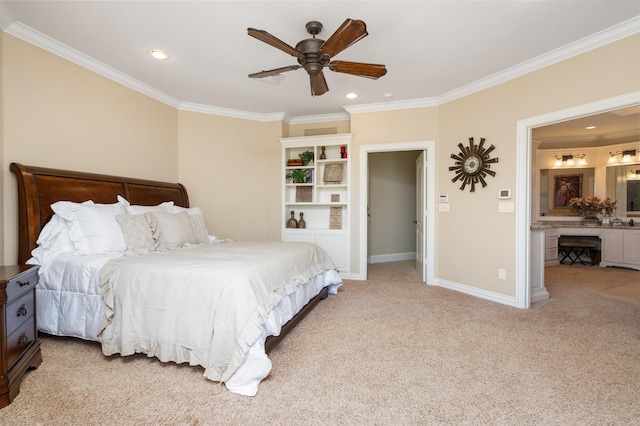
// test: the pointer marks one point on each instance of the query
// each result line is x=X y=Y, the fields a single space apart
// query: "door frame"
x=524 y=161
x=429 y=148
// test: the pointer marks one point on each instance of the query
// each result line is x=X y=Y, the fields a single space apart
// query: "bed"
x=172 y=291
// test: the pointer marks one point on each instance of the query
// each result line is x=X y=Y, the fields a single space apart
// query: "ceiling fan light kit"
x=314 y=54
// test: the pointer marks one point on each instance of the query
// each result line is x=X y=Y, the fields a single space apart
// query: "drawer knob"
x=22 y=311
x=23 y=339
x=22 y=284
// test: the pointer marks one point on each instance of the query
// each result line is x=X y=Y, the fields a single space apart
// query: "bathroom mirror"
x=623 y=185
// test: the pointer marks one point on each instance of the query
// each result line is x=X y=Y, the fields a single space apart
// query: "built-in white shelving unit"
x=324 y=197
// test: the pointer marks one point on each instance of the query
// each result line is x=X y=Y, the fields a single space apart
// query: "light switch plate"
x=505 y=207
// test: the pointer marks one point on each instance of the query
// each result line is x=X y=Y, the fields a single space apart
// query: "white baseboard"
x=393 y=257
x=474 y=291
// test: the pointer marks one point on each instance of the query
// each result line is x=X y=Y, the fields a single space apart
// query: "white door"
x=421 y=216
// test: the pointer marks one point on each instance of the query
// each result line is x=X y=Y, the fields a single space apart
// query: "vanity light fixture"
x=627 y=156
x=159 y=54
x=568 y=160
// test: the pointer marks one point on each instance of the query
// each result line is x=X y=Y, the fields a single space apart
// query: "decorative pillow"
x=135 y=209
x=197 y=222
x=170 y=231
x=93 y=227
x=53 y=240
x=137 y=233
x=199 y=228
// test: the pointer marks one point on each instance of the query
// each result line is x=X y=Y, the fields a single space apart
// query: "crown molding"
x=53 y=46
x=233 y=113
x=392 y=105
x=617 y=32
x=602 y=38
x=322 y=118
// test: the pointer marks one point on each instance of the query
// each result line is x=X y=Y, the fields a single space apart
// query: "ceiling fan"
x=313 y=54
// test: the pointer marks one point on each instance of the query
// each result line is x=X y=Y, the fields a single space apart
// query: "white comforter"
x=206 y=304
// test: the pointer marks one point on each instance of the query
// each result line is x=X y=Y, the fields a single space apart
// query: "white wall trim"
x=392 y=257
x=524 y=147
x=477 y=292
x=28 y=34
x=430 y=148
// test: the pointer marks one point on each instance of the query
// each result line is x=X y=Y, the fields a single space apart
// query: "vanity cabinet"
x=551 y=247
x=621 y=247
x=321 y=194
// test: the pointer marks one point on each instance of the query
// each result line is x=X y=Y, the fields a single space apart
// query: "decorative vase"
x=591 y=221
x=301 y=222
x=292 y=222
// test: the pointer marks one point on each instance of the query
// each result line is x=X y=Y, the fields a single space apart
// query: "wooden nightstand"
x=19 y=344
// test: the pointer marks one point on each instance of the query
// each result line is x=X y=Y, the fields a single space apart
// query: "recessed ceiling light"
x=158 y=54
x=351 y=95
x=590 y=127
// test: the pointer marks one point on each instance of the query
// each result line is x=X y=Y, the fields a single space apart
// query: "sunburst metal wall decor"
x=472 y=164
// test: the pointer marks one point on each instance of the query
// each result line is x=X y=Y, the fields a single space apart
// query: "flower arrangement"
x=591 y=207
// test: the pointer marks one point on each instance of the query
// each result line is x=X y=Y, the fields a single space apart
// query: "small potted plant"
x=298 y=175
x=307 y=157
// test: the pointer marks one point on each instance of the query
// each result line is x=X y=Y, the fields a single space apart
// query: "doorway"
x=524 y=176
x=392 y=201
x=428 y=148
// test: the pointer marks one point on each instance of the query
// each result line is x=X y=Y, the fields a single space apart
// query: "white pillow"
x=135 y=209
x=53 y=240
x=137 y=233
x=197 y=222
x=93 y=227
x=171 y=231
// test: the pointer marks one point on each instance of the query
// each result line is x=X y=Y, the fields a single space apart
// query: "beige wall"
x=474 y=233
x=231 y=168
x=57 y=114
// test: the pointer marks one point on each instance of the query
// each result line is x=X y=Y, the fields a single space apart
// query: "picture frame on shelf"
x=304 y=194
x=333 y=173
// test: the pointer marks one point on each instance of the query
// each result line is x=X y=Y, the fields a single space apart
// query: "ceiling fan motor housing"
x=310 y=57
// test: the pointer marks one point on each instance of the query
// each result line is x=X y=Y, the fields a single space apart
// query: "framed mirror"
x=623 y=184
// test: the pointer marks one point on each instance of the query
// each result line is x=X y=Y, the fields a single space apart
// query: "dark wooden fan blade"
x=318 y=84
x=273 y=41
x=349 y=32
x=274 y=71
x=356 y=68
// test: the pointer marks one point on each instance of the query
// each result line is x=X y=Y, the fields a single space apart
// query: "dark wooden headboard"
x=40 y=187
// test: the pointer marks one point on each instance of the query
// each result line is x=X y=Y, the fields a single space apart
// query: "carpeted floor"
x=386 y=351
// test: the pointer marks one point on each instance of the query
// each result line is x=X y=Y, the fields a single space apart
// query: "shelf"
x=325 y=206
x=313 y=203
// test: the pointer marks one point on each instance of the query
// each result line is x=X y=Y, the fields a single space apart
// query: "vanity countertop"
x=541 y=226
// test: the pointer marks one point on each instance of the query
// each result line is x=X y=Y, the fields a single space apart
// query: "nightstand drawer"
x=19 y=341
x=19 y=311
x=22 y=282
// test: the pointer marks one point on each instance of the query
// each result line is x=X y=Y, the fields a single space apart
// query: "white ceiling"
x=434 y=50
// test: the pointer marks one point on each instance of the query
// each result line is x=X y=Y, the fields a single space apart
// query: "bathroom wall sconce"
x=569 y=160
x=626 y=156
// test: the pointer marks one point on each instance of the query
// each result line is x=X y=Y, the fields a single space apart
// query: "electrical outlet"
x=502 y=273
